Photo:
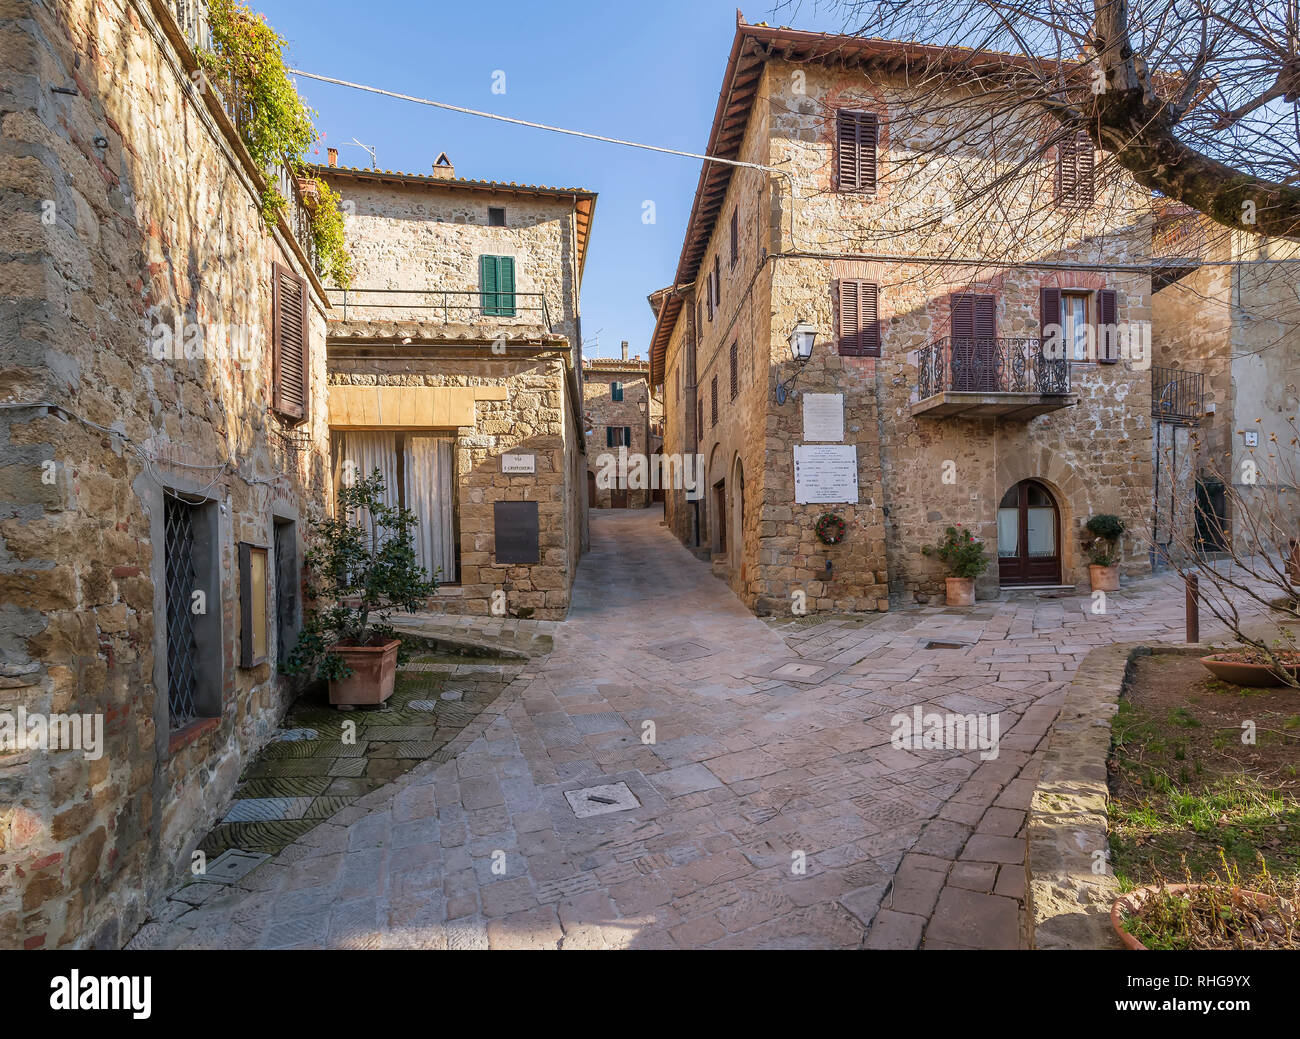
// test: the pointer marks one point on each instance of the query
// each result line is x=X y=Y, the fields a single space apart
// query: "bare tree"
x=1194 y=99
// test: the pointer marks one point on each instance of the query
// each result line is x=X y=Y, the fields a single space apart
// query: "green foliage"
x=365 y=571
x=964 y=555
x=246 y=65
x=327 y=232
x=1103 y=546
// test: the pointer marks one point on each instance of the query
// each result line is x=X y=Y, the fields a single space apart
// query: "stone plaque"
x=823 y=416
x=516 y=531
x=519 y=463
x=826 y=474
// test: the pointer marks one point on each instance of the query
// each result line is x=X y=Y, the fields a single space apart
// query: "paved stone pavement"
x=773 y=810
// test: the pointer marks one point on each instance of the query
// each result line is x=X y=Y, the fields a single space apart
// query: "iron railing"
x=467 y=306
x=192 y=20
x=979 y=364
x=1177 y=395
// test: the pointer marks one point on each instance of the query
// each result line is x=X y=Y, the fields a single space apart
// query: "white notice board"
x=826 y=474
x=823 y=416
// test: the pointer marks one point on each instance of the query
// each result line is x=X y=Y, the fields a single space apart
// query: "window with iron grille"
x=713 y=407
x=181 y=581
x=735 y=369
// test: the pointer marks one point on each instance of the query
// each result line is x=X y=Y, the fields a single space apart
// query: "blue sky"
x=647 y=73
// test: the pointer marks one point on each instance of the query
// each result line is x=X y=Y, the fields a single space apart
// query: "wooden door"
x=974 y=343
x=1029 y=536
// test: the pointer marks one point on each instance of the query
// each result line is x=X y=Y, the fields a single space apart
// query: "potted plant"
x=364 y=567
x=1255 y=667
x=1103 y=552
x=966 y=558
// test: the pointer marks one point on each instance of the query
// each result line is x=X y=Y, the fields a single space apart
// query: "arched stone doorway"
x=737 y=508
x=1029 y=536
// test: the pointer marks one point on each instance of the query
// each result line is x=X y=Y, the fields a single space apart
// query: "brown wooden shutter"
x=974 y=316
x=735 y=235
x=986 y=321
x=713 y=408
x=1075 y=172
x=1049 y=313
x=290 y=344
x=859 y=319
x=735 y=369
x=856 y=134
x=1107 y=337
x=963 y=316
x=717 y=282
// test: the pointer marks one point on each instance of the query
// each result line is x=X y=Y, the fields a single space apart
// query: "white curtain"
x=1008 y=532
x=362 y=454
x=430 y=476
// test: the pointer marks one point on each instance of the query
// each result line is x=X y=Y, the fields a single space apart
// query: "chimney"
x=333 y=154
x=442 y=167
x=625 y=349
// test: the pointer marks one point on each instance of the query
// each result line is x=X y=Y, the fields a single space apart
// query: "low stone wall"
x=1069 y=886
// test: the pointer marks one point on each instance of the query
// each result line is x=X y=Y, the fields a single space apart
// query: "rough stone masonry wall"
x=430 y=237
x=158 y=223
x=533 y=418
x=1092 y=457
x=679 y=407
x=603 y=411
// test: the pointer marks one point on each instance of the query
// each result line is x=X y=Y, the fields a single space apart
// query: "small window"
x=254 y=589
x=1075 y=173
x=497 y=285
x=496 y=216
x=1074 y=325
x=856 y=135
x=859 y=318
x=717 y=282
x=735 y=235
x=735 y=369
x=615 y=391
x=618 y=436
x=699 y=418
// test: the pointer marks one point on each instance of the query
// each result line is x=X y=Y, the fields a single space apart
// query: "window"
x=859 y=320
x=1074 y=325
x=192 y=605
x=708 y=294
x=735 y=235
x=713 y=410
x=496 y=216
x=290 y=345
x=288 y=584
x=615 y=391
x=735 y=369
x=856 y=135
x=1075 y=181
x=717 y=282
x=1065 y=312
x=618 y=436
x=497 y=285
x=254 y=590
x=699 y=418
x=1107 y=326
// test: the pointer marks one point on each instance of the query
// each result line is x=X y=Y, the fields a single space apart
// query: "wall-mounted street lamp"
x=801 y=346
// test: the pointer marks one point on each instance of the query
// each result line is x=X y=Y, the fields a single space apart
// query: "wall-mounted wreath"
x=829 y=528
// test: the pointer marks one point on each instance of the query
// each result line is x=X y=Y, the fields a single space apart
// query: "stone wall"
x=533 y=416
x=637 y=410
x=128 y=207
x=1093 y=457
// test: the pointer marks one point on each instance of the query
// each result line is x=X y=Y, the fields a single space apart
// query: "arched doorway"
x=738 y=508
x=1029 y=536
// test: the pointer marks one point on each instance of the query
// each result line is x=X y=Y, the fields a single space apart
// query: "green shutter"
x=506 y=286
x=487 y=284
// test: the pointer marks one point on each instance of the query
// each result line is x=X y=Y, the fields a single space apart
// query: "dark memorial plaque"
x=516 y=531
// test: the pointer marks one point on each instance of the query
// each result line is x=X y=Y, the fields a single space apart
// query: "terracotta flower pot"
x=374 y=672
x=1104 y=578
x=1255 y=676
x=1133 y=901
x=961 y=591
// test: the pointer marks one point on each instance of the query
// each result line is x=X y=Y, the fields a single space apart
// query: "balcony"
x=1177 y=395
x=470 y=308
x=983 y=377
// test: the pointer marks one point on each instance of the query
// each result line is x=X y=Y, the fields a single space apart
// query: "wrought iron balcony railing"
x=979 y=364
x=442 y=306
x=1177 y=395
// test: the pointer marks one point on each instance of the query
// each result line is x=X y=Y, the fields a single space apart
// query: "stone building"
x=455 y=368
x=1225 y=398
x=926 y=401
x=621 y=413
x=165 y=444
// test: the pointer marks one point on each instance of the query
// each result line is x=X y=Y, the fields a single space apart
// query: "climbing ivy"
x=246 y=66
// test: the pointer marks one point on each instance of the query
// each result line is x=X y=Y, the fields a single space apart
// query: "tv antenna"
x=374 y=161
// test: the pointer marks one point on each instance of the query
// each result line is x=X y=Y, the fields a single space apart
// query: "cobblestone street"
x=755 y=766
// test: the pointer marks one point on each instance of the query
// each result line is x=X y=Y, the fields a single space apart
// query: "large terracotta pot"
x=1254 y=676
x=1104 y=578
x=961 y=591
x=374 y=672
x=1132 y=902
